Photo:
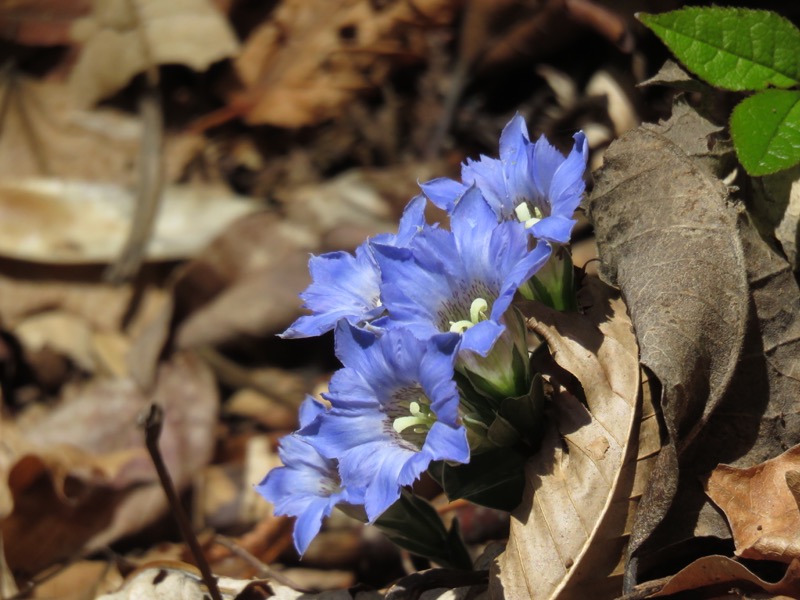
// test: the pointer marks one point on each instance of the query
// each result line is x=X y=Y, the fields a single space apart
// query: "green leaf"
x=732 y=48
x=413 y=524
x=495 y=479
x=766 y=131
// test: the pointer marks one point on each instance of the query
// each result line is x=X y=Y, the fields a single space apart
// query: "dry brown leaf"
x=577 y=474
x=74 y=222
x=44 y=135
x=776 y=205
x=663 y=223
x=313 y=57
x=79 y=476
x=60 y=331
x=123 y=38
x=760 y=507
x=251 y=404
x=226 y=497
x=8 y=586
x=41 y=22
x=721 y=570
x=180 y=581
x=80 y=581
x=246 y=282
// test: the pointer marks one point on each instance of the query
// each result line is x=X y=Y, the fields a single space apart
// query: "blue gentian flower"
x=348 y=287
x=308 y=486
x=531 y=182
x=461 y=280
x=394 y=409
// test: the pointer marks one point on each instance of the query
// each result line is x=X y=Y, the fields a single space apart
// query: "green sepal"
x=526 y=413
x=554 y=284
x=504 y=372
x=414 y=525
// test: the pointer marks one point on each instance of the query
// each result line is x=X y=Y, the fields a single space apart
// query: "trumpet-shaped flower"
x=394 y=409
x=346 y=286
x=308 y=486
x=461 y=280
x=531 y=182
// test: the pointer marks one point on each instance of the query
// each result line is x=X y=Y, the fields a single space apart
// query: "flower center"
x=420 y=417
x=469 y=304
x=411 y=415
x=477 y=313
x=329 y=482
x=523 y=212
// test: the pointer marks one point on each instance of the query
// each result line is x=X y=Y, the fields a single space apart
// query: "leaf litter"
x=80 y=358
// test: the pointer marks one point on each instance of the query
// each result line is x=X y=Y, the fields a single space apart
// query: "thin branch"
x=152 y=423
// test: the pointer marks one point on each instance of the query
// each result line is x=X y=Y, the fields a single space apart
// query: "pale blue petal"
x=309 y=523
x=443 y=443
x=521 y=272
x=376 y=466
x=412 y=221
x=343 y=287
x=514 y=144
x=556 y=229
x=347 y=427
x=436 y=376
x=309 y=411
x=443 y=192
x=409 y=291
x=481 y=337
x=545 y=161
x=568 y=184
x=487 y=175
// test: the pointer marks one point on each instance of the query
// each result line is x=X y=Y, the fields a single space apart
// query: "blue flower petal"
x=514 y=145
x=343 y=287
x=309 y=523
x=556 y=229
x=310 y=410
x=568 y=184
x=487 y=175
x=545 y=160
x=446 y=443
x=443 y=192
x=481 y=337
x=307 y=486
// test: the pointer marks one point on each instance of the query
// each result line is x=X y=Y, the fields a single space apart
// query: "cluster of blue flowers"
x=413 y=310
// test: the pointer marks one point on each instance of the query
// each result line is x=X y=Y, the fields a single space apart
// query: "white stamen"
x=523 y=212
x=460 y=326
x=477 y=311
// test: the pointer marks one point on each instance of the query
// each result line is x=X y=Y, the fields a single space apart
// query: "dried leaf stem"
x=152 y=423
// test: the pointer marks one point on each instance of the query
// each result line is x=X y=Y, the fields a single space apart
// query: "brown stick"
x=152 y=423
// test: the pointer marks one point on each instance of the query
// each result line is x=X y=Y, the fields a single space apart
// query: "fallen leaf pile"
x=222 y=142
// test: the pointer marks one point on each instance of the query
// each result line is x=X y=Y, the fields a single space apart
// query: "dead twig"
x=152 y=422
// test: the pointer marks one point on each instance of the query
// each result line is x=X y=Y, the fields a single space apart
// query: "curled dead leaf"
x=79 y=478
x=761 y=507
x=719 y=570
x=663 y=224
x=312 y=57
x=583 y=467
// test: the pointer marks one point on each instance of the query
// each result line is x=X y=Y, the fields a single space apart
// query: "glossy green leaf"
x=766 y=131
x=732 y=48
